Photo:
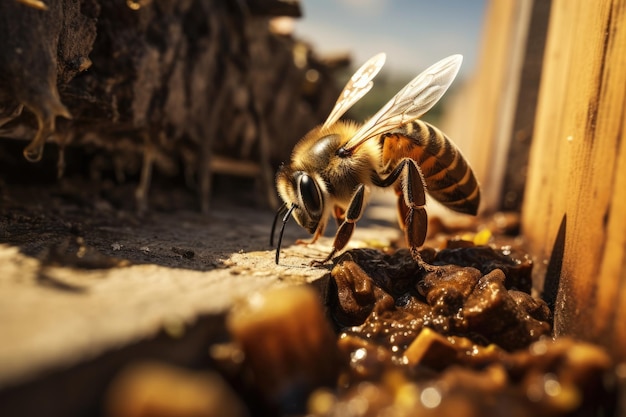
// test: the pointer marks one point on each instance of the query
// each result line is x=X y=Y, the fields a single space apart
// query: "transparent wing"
x=415 y=99
x=358 y=85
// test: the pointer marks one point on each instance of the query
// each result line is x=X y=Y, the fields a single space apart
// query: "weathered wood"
x=56 y=315
x=169 y=83
x=576 y=192
x=519 y=132
x=275 y=7
x=574 y=196
x=492 y=117
x=79 y=278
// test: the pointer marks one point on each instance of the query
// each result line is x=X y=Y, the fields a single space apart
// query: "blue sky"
x=413 y=33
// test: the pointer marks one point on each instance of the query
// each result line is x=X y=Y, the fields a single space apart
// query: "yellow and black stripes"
x=448 y=177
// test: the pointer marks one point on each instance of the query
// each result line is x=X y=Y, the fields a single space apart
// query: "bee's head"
x=304 y=194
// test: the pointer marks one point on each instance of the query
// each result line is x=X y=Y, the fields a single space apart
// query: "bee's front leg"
x=339 y=214
x=351 y=216
x=318 y=232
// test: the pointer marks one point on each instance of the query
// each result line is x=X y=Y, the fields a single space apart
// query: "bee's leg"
x=412 y=208
x=316 y=235
x=339 y=214
x=403 y=210
x=344 y=232
x=411 y=201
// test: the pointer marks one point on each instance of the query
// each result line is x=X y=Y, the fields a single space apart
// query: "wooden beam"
x=491 y=119
x=576 y=191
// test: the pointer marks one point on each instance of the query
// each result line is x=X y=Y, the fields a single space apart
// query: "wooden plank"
x=519 y=131
x=576 y=191
x=80 y=278
x=54 y=317
x=485 y=113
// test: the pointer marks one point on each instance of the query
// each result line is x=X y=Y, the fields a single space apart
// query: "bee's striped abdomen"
x=448 y=177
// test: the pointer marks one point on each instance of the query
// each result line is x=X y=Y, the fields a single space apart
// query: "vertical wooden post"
x=575 y=198
x=492 y=118
x=518 y=132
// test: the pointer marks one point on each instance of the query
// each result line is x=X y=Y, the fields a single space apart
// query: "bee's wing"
x=358 y=85
x=415 y=99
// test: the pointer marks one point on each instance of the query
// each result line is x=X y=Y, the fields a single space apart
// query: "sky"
x=413 y=33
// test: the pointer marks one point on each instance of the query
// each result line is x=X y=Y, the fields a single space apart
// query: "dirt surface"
x=81 y=273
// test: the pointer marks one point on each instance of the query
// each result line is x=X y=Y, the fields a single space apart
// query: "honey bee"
x=334 y=165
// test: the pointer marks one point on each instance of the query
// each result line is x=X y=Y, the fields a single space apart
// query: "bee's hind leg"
x=344 y=232
x=412 y=215
x=412 y=211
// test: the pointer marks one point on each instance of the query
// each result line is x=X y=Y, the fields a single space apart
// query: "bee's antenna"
x=280 y=211
x=282 y=229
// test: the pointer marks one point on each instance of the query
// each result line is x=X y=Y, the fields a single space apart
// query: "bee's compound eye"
x=310 y=194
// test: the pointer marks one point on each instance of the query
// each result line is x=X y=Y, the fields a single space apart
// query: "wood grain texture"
x=80 y=278
x=160 y=85
x=471 y=120
x=577 y=172
x=492 y=116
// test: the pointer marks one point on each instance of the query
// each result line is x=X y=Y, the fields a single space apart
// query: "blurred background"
x=216 y=90
x=413 y=34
